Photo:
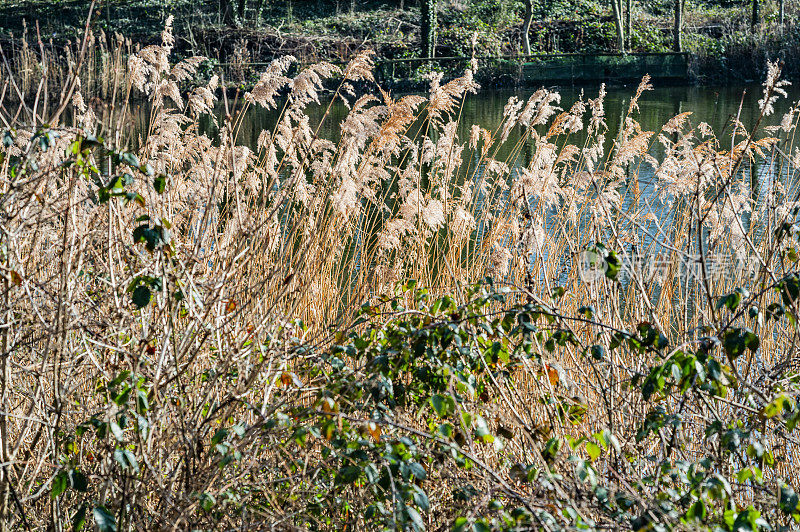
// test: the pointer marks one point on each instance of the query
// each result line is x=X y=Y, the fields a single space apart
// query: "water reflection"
x=716 y=106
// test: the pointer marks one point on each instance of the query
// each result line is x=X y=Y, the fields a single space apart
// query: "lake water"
x=716 y=106
x=713 y=105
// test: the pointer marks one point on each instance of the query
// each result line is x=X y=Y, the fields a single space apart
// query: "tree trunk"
x=526 y=27
x=781 y=13
x=428 y=28
x=616 y=6
x=756 y=18
x=628 y=24
x=226 y=12
x=678 y=28
x=260 y=11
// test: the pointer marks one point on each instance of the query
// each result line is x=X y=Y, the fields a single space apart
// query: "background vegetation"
x=724 y=36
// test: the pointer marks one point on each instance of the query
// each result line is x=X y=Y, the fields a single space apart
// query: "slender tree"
x=616 y=7
x=755 y=18
x=628 y=24
x=260 y=10
x=526 y=27
x=226 y=12
x=428 y=28
x=678 y=27
x=781 y=13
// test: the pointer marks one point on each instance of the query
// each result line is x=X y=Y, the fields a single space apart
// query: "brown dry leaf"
x=329 y=406
x=552 y=375
x=374 y=430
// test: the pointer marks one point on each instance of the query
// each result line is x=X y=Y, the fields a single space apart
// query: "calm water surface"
x=714 y=105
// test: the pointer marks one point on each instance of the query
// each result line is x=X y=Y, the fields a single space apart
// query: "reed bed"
x=170 y=312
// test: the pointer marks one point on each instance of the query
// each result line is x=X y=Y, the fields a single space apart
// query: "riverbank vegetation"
x=401 y=328
x=729 y=40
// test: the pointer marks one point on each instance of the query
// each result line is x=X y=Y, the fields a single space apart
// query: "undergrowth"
x=199 y=334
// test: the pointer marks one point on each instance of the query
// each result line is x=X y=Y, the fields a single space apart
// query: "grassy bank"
x=395 y=330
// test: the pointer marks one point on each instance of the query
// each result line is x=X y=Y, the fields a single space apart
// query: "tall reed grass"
x=163 y=308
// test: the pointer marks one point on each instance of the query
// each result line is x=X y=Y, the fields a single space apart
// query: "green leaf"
x=731 y=301
x=558 y=292
x=372 y=473
x=421 y=499
x=697 y=511
x=416 y=519
x=78 y=481
x=105 y=521
x=598 y=352
x=79 y=519
x=150 y=236
x=131 y=459
x=142 y=403
x=60 y=484
x=551 y=449
x=141 y=296
x=219 y=436
x=160 y=183
x=460 y=524
x=126 y=459
x=790 y=288
x=594 y=450
x=442 y=405
x=116 y=430
x=347 y=475
x=207 y=502
x=417 y=470
x=482 y=431
x=613 y=265
x=788 y=500
x=122 y=398
x=446 y=430
x=129 y=158
x=735 y=341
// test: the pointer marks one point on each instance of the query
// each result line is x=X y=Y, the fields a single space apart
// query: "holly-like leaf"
x=442 y=405
x=160 y=183
x=79 y=519
x=789 y=500
x=78 y=481
x=347 y=475
x=141 y=296
x=104 y=520
x=594 y=450
x=60 y=484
